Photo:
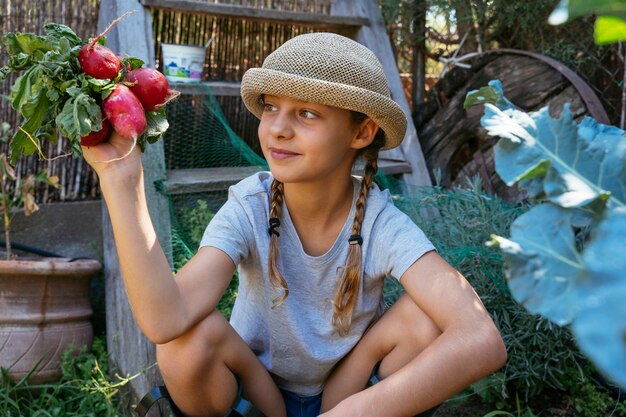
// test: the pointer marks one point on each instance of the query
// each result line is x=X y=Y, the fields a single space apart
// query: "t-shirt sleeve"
x=399 y=242
x=230 y=230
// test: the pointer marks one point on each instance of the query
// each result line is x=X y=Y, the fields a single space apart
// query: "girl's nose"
x=281 y=126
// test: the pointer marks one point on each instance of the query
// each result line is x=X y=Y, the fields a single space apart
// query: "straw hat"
x=329 y=69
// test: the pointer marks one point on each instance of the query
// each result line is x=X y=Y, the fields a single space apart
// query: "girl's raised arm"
x=164 y=306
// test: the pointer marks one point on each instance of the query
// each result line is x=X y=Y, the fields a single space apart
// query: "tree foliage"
x=610 y=25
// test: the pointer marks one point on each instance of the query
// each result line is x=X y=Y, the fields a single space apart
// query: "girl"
x=312 y=244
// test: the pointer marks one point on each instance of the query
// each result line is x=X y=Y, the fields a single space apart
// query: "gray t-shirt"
x=296 y=341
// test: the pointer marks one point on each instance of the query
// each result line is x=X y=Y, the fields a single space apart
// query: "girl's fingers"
x=116 y=138
x=117 y=149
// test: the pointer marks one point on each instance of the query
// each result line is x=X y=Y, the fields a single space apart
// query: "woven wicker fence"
x=78 y=182
x=236 y=45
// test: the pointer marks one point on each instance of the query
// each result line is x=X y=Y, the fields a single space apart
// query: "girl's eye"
x=307 y=114
x=268 y=107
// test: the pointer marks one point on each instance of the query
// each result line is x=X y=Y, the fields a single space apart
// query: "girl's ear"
x=365 y=134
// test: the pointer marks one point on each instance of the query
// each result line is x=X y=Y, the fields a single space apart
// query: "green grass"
x=84 y=390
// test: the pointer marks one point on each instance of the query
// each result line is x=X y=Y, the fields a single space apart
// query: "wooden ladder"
x=359 y=19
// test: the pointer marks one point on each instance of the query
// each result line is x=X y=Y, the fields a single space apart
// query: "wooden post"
x=375 y=38
x=128 y=348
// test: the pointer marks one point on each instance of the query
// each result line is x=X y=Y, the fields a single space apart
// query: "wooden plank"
x=129 y=350
x=217 y=88
x=374 y=36
x=196 y=180
x=262 y=14
x=588 y=96
x=202 y=180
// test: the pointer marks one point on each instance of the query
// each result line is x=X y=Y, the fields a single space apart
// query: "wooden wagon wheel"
x=453 y=140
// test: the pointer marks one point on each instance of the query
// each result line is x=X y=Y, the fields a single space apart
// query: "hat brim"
x=381 y=109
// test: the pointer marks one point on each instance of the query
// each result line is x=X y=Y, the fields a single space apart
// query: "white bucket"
x=182 y=63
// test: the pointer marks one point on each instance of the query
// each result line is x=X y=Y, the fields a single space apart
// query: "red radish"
x=99 y=61
x=150 y=87
x=125 y=112
x=100 y=136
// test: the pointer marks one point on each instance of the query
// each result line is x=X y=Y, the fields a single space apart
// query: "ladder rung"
x=253 y=13
x=202 y=180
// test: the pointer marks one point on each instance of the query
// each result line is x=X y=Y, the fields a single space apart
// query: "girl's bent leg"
x=199 y=371
x=394 y=340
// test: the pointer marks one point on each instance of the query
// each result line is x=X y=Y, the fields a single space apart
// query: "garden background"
x=546 y=374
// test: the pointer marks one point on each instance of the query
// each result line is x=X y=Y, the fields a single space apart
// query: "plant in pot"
x=44 y=302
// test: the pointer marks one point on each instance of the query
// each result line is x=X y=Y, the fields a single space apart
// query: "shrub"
x=465 y=220
x=186 y=238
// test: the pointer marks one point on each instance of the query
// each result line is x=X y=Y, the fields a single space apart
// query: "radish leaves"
x=53 y=94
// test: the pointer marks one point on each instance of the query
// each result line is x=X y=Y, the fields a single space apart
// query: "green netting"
x=200 y=136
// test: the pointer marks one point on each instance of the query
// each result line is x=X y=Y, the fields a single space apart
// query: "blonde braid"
x=276 y=278
x=350 y=281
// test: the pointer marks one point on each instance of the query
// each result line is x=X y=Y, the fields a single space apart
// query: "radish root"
x=113 y=23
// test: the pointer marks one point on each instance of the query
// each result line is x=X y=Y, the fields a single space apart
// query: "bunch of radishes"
x=139 y=90
x=89 y=91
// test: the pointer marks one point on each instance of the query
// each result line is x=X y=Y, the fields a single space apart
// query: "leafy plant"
x=610 y=25
x=54 y=95
x=186 y=236
x=590 y=401
x=85 y=389
x=518 y=413
x=189 y=223
x=565 y=258
x=22 y=194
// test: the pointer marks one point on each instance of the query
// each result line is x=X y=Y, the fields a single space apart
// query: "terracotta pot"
x=44 y=307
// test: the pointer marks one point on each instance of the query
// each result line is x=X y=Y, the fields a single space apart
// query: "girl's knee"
x=193 y=368
x=412 y=322
x=403 y=325
x=196 y=349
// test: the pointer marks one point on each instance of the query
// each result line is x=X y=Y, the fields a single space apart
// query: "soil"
x=469 y=408
x=548 y=404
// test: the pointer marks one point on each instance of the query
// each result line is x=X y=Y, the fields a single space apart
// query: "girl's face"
x=308 y=142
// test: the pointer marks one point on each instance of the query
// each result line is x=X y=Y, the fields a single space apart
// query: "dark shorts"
x=301 y=406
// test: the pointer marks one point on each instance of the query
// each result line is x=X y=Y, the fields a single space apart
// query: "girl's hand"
x=119 y=156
